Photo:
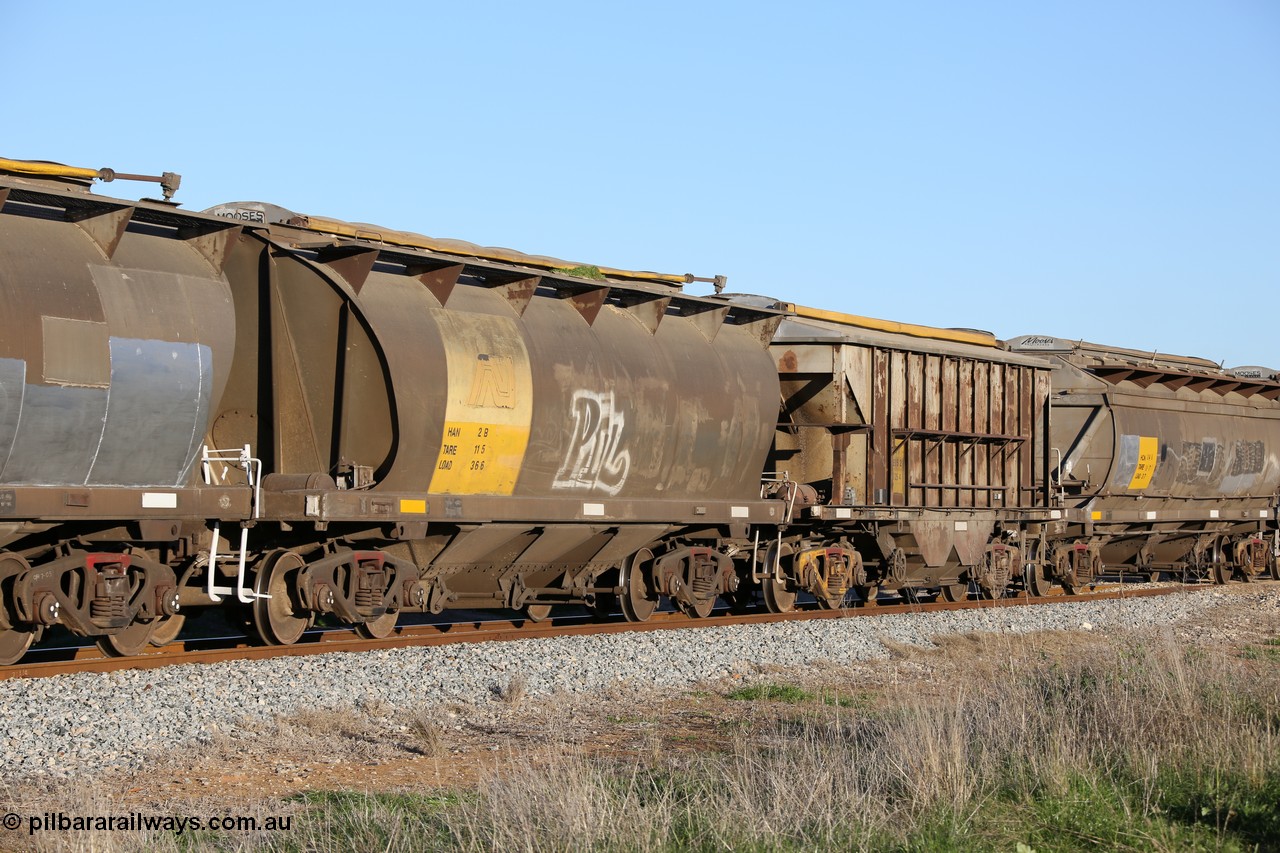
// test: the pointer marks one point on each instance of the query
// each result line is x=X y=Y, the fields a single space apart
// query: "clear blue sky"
x=1098 y=170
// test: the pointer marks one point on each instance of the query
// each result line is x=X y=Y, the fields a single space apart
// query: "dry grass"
x=514 y=690
x=1047 y=742
x=427 y=733
x=1150 y=745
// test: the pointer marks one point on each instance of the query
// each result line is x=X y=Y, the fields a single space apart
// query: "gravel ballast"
x=83 y=723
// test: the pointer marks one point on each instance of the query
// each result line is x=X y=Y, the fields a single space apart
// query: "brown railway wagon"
x=919 y=454
x=521 y=431
x=301 y=416
x=1161 y=463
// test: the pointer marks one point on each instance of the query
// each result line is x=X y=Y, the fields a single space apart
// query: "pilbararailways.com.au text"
x=138 y=822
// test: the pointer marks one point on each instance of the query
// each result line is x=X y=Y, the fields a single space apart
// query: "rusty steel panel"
x=938 y=538
x=878 y=477
x=939 y=428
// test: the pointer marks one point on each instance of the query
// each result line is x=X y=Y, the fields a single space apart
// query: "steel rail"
x=49 y=662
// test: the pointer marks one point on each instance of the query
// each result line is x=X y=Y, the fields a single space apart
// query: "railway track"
x=43 y=663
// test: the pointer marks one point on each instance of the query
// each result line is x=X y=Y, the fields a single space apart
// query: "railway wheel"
x=380 y=628
x=1038 y=584
x=956 y=591
x=870 y=595
x=14 y=640
x=537 y=612
x=14 y=643
x=280 y=620
x=777 y=597
x=1221 y=571
x=639 y=598
x=128 y=641
x=166 y=629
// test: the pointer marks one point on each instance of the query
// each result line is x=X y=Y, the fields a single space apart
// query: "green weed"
x=772 y=693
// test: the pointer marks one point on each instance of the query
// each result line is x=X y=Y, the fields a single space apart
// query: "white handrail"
x=242 y=458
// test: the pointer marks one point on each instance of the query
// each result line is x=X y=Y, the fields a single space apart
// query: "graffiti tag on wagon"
x=596 y=459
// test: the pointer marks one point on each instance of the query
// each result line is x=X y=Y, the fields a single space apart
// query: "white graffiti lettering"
x=595 y=460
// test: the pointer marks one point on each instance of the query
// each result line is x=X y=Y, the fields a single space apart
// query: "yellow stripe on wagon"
x=961 y=336
x=489 y=409
x=479 y=459
x=1148 y=456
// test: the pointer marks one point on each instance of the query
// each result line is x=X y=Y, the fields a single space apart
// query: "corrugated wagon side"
x=916 y=457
